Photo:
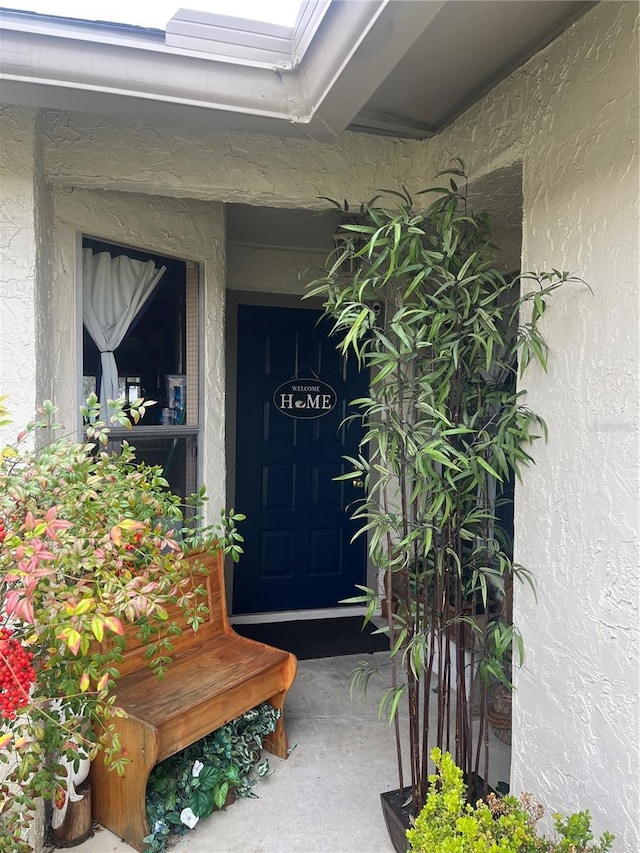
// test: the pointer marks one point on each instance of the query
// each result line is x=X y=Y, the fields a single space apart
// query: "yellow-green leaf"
x=84 y=606
x=72 y=638
x=130 y=524
x=97 y=626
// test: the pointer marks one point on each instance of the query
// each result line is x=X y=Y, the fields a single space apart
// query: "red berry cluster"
x=3 y=532
x=137 y=539
x=16 y=674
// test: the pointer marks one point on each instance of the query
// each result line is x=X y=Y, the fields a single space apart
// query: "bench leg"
x=119 y=802
x=277 y=742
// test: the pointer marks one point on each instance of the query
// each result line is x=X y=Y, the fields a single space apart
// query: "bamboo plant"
x=417 y=296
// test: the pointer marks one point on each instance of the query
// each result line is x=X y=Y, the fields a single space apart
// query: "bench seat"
x=206 y=686
x=215 y=676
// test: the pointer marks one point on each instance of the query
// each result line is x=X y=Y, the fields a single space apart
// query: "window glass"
x=158 y=360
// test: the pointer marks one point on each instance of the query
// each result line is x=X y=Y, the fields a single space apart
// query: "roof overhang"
x=208 y=68
x=315 y=79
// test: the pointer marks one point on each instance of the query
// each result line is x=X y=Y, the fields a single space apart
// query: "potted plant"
x=89 y=541
x=417 y=297
x=500 y=825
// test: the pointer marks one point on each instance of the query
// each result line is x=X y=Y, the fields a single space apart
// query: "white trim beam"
x=337 y=55
x=365 y=40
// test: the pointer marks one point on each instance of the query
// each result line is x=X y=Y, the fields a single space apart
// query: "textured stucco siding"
x=44 y=271
x=187 y=229
x=230 y=167
x=18 y=250
x=577 y=515
x=570 y=116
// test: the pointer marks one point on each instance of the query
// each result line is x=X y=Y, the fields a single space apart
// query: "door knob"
x=357 y=484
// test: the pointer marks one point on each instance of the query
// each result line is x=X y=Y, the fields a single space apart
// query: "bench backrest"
x=215 y=622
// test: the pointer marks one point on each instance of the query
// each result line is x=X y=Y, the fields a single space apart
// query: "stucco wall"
x=18 y=250
x=581 y=213
x=571 y=117
x=44 y=270
x=229 y=167
x=191 y=230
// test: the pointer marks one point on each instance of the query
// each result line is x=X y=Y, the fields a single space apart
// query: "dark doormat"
x=318 y=638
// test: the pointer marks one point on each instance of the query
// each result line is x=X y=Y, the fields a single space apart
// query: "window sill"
x=117 y=433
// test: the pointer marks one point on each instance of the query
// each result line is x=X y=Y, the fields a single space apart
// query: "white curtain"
x=114 y=290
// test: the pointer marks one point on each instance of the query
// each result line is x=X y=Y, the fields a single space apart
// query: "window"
x=157 y=359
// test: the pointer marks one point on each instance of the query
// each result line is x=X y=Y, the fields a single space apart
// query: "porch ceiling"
x=405 y=68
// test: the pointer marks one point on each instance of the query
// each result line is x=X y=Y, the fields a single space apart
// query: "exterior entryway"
x=293 y=391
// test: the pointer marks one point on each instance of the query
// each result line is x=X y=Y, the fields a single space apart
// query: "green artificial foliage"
x=416 y=295
x=200 y=777
x=449 y=824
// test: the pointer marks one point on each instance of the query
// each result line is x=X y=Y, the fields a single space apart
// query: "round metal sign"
x=305 y=398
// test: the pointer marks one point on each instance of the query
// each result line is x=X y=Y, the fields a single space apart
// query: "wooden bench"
x=214 y=677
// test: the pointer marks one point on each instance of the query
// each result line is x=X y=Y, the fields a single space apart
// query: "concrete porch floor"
x=326 y=797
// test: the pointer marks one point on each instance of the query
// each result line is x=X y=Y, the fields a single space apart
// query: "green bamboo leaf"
x=399 y=641
x=463 y=269
x=539 y=349
x=489 y=354
x=390 y=702
x=484 y=464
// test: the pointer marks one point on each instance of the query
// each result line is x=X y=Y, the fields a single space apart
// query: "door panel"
x=298 y=552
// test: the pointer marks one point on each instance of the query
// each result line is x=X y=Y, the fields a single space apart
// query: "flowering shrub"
x=449 y=824
x=89 y=541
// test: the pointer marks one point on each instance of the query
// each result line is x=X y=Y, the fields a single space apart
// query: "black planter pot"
x=397 y=811
x=396 y=808
x=477 y=790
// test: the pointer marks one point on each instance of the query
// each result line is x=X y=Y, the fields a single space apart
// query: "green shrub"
x=90 y=542
x=448 y=824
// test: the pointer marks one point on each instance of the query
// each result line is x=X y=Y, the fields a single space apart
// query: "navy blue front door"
x=297 y=551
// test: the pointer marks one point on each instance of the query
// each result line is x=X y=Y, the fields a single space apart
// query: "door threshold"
x=295 y=615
